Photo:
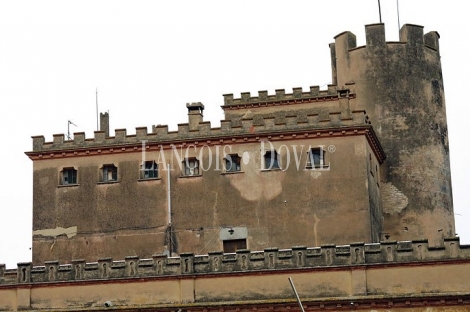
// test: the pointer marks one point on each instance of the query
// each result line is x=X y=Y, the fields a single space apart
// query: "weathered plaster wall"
x=278 y=208
x=400 y=86
x=110 y=219
x=375 y=200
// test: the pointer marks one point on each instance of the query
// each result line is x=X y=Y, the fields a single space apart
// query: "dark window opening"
x=191 y=167
x=149 y=170
x=271 y=160
x=232 y=163
x=109 y=173
x=316 y=158
x=69 y=176
x=370 y=165
x=234 y=244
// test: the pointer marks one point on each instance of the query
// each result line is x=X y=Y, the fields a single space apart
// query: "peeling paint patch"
x=315 y=174
x=255 y=184
x=248 y=114
x=425 y=171
x=70 y=232
x=400 y=123
x=315 y=225
x=393 y=200
x=215 y=219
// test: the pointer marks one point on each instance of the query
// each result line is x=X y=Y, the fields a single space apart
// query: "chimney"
x=194 y=114
x=104 y=123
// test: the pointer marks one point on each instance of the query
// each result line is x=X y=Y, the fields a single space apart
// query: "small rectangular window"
x=232 y=163
x=191 y=167
x=149 y=170
x=69 y=176
x=234 y=244
x=271 y=160
x=316 y=158
x=109 y=173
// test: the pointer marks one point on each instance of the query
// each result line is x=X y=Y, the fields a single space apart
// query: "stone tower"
x=400 y=86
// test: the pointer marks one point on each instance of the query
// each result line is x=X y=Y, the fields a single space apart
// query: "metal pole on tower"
x=380 y=13
x=97 y=125
x=170 y=228
x=398 y=17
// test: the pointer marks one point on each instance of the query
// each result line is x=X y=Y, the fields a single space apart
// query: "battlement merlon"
x=410 y=36
x=104 y=123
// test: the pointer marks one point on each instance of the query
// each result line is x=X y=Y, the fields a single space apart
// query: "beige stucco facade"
x=283 y=207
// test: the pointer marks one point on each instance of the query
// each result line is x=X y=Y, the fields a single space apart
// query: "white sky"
x=149 y=58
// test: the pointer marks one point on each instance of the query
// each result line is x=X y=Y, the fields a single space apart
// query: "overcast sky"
x=149 y=58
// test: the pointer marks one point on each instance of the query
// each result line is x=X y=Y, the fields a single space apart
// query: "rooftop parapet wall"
x=412 y=38
x=297 y=96
x=410 y=34
x=326 y=256
x=160 y=134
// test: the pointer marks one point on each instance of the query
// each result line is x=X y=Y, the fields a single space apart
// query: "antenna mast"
x=398 y=17
x=380 y=13
x=97 y=126
x=68 y=129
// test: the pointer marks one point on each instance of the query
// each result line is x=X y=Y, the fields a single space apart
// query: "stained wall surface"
x=400 y=85
x=280 y=207
x=365 y=193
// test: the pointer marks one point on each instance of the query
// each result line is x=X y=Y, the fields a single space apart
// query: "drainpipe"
x=169 y=210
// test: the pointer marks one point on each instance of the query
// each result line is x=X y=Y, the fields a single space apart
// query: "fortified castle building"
x=359 y=173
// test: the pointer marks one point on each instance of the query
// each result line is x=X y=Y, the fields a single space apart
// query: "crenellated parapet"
x=413 y=44
x=411 y=35
x=323 y=122
x=314 y=94
x=324 y=257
